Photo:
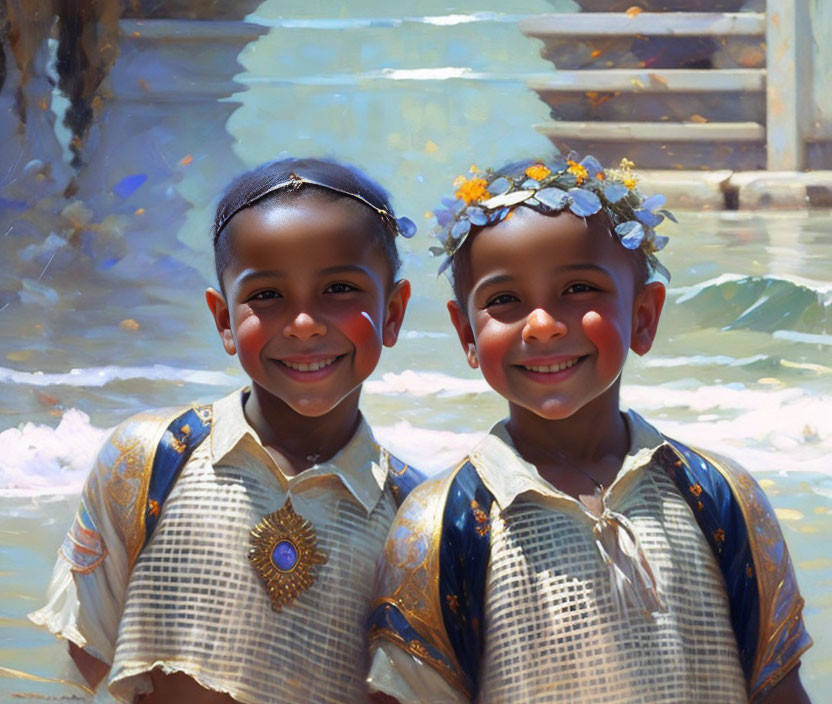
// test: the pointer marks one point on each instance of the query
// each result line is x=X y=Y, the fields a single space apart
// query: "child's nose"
x=542 y=325
x=303 y=326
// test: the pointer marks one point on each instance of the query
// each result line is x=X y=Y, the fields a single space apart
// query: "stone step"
x=653 y=80
x=656 y=131
x=677 y=24
x=739 y=190
x=664 y=145
x=594 y=106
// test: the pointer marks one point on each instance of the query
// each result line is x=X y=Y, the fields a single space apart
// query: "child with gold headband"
x=226 y=553
x=576 y=554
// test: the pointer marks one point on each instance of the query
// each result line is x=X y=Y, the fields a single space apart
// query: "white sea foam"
x=766 y=429
x=783 y=429
x=417 y=384
x=100 y=376
x=703 y=360
x=41 y=460
x=429 y=450
x=686 y=293
x=420 y=334
x=806 y=337
x=38 y=459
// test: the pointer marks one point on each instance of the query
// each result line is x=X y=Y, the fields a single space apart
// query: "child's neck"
x=581 y=455
x=295 y=441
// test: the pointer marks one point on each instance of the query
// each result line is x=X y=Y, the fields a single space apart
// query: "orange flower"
x=471 y=190
x=696 y=489
x=538 y=172
x=577 y=170
x=719 y=536
x=630 y=181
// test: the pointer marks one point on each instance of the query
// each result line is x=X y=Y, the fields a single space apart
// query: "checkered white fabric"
x=557 y=630
x=195 y=604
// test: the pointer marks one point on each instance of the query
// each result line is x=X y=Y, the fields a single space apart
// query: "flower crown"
x=487 y=197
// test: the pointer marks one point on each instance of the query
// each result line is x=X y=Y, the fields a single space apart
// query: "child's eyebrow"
x=345 y=269
x=495 y=280
x=583 y=267
x=253 y=275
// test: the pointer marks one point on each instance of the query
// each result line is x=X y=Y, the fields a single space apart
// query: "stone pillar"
x=788 y=84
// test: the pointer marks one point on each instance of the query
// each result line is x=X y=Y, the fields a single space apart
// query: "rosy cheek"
x=608 y=340
x=492 y=350
x=359 y=328
x=251 y=337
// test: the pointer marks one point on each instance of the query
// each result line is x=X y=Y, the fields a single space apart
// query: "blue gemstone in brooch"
x=284 y=552
x=285 y=556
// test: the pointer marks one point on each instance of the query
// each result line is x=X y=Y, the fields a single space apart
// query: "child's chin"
x=312 y=408
x=554 y=411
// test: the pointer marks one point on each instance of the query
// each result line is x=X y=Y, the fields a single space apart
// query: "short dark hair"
x=461 y=262
x=330 y=179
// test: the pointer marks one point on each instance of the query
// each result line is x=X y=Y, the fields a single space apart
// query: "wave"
x=778 y=429
x=101 y=376
x=38 y=459
x=804 y=337
x=418 y=384
x=763 y=303
x=421 y=334
x=704 y=360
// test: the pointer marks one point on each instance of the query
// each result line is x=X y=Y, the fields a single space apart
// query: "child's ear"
x=222 y=318
x=647 y=310
x=394 y=315
x=465 y=332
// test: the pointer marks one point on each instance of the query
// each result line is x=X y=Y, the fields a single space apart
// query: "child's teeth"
x=313 y=367
x=553 y=367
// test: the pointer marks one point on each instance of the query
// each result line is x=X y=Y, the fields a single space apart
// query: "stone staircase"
x=682 y=90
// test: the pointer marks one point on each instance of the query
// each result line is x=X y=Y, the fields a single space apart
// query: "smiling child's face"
x=552 y=308
x=309 y=301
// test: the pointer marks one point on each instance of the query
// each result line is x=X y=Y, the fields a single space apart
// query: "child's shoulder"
x=742 y=528
x=143 y=444
x=449 y=508
x=132 y=475
x=402 y=477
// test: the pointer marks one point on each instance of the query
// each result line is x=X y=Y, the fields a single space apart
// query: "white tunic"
x=193 y=602
x=562 y=623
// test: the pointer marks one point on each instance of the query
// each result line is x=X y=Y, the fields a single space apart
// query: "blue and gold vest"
x=144 y=457
x=729 y=506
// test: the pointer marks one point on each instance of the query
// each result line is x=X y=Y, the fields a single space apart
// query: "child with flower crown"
x=225 y=553
x=576 y=554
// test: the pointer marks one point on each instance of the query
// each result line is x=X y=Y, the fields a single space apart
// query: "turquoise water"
x=102 y=310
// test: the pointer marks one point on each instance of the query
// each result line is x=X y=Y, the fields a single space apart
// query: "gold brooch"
x=284 y=552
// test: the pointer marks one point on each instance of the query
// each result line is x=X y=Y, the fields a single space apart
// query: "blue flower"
x=631 y=233
x=407 y=228
x=583 y=203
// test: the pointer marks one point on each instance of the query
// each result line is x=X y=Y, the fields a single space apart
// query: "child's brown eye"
x=264 y=296
x=502 y=299
x=341 y=288
x=580 y=288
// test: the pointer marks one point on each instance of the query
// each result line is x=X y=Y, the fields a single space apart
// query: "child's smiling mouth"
x=309 y=368
x=552 y=368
